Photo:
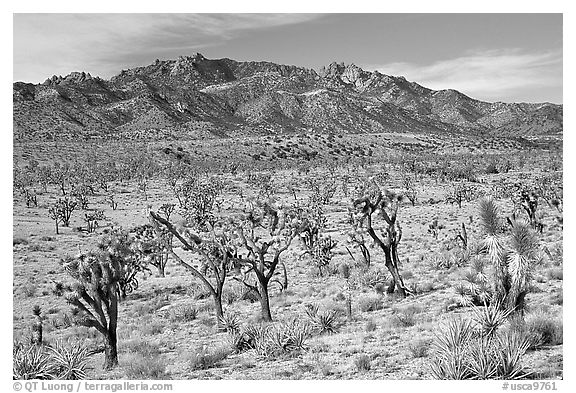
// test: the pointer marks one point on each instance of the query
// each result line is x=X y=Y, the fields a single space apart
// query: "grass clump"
x=203 y=359
x=363 y=363
x=419 y=348
x=544 y=330
x=138 y=367
x=370 y=303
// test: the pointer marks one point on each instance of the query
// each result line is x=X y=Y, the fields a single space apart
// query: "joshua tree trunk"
x=111 y=351
x=392 y=266
x=391 y=255
x=265 y=302
x=37 y=330
x=217 y=297
x=285 y=283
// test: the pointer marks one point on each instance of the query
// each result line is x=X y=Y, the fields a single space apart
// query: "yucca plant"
x=70 y=361
x=450 y=347
x=276 y=340
x=512 y=346
x=229 y=323
x=322 y=321
x=512 y=264
x=467 y=350
x=482 y=361
x=244 y=338
x=31 y=362
x=491 y=317
x=523 y=256
x=59 y=361
x=327 y=322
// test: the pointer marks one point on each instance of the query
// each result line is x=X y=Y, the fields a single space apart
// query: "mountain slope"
x=197 y=97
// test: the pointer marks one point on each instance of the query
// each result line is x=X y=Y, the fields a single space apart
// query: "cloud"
x=105 y=43
x=488 y=75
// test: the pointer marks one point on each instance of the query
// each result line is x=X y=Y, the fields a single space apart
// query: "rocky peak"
x=73 y=77
x=349 y=74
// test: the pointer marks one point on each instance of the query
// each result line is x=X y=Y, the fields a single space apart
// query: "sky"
x=492 y=57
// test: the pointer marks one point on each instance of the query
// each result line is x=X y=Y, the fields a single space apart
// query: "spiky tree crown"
x=489 y=217
x=112 y=267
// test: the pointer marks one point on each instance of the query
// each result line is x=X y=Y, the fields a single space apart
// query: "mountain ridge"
x=196 y=97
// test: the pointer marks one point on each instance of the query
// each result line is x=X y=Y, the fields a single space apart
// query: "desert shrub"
x=371 y=278
x=371 y=326
x=558 y=299
x=141 y=347
x=406 y=316
x=153 y=328
x=148 y=367
x=184 y=313
x=29 y=290
x=203 y=358
x=491 y=168
x=363 y=363
x=19 y=240
x=555 y=273
x=370 y=303
x=544 y=330
x=419 y=348
x=234 y=292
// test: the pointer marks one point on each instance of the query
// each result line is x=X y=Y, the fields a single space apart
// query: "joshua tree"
x=525 y=199
x=460 y=193
x=154 y=247
x=61 y=211
x=167 y=209
x=197 y=199
x=385 y=206
x=37 y=325
x=92 y=219
x=359 y=241
x=31 y=197
x=101 y=278
x=462 y=235
x=513 y=263
x=111 y=202
x=80 y=193
x=214 y=248
x=410 y=189
x=60 y=176
x=264 y=249
x=435 y=228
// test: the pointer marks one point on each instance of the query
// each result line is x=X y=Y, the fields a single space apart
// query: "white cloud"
x=105 y=43
x=485 y=75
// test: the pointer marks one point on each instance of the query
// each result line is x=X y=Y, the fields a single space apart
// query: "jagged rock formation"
x=197 y=97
